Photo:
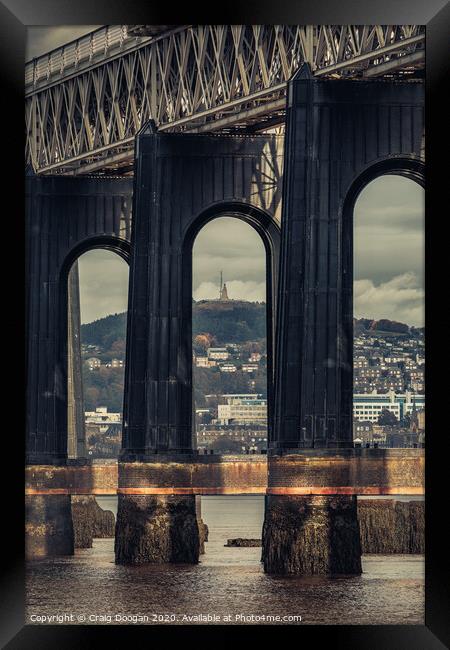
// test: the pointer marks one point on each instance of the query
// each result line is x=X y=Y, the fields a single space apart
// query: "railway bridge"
x=136 y=138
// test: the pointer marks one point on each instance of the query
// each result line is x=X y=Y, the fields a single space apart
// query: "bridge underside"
x=86 y=102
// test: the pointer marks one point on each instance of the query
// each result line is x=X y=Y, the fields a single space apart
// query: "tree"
x=203 y=341
x=387 y=418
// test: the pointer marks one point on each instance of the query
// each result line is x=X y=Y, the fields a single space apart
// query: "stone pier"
x=310 y=535
x=90 y=521
x=48 y=527
x=156 y=529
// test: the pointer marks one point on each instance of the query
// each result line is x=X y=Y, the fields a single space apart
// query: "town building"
x=219 y=354
x=102 y=416
x=115 y=363
x=249 y=367
x=204 y=362
x=239 y=410
x=368 y=406
x=227 y=367
x=93 y=362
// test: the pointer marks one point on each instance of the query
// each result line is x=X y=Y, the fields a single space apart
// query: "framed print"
x=230 y=285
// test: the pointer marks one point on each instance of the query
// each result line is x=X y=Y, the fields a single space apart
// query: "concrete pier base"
x=311 y=535
x=48 y=527
x=156 y=529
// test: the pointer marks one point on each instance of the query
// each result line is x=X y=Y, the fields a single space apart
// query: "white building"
x=249 y=367
x=239 y=410
x=227 y=367
x=115 y=363
x=204 y=362
x=101 y=416
x=93 y=362
x=368 y=406
x=220 y=354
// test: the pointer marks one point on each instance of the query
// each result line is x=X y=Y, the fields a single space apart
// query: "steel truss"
x=86 y=101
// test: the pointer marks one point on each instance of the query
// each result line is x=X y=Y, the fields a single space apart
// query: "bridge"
x=103 y=175
x=86 y=101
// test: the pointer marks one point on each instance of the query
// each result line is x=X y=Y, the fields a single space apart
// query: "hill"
x=384 y=327
x=105 y=331
x=233 y=321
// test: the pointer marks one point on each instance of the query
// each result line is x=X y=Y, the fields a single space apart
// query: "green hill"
x=234 y=321
x=105 y=331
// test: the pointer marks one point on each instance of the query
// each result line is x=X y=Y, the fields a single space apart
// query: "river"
x=228 y=586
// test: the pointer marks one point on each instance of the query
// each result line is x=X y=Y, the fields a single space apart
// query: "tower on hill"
x=223 y=293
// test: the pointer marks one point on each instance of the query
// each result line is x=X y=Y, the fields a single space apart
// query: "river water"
x=228 y=586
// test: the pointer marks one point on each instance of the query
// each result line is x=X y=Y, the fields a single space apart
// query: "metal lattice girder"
x=86 y=101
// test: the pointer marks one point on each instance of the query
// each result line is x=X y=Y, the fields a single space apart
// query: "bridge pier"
x=311 y=535
x=48 y=527
x=333 y=144
x=156 y=529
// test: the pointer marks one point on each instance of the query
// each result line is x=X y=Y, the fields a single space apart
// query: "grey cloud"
x=234 y=247
x=389 y=230
x=401 y=299
x=103 y=284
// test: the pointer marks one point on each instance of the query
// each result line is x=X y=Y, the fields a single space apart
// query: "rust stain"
x=356 y=490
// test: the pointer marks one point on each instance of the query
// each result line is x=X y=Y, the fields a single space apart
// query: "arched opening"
x=232 y=298
x=388 y=309
x=94 y=348
x=229 y=337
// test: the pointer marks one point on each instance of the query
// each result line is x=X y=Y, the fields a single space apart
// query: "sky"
x=388 y=259
x=43 y=39
x=388 y=244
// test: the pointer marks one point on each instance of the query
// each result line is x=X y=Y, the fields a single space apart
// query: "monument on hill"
x=223 y=293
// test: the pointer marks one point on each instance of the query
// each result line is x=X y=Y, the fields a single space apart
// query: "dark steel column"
x=339 y=136
x=64 y=218
x=181 y=182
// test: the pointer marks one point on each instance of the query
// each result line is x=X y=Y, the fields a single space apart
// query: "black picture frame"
x=15 y=17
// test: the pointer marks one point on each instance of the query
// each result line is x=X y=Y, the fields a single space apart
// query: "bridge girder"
x=86 y=101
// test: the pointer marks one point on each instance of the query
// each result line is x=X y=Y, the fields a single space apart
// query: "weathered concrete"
x=389 y=526
x=156 y=529
x=312 y=471
x=194 y=474
x=311 y=535
x=48 y=527
x=347 y=471
x=90 y=521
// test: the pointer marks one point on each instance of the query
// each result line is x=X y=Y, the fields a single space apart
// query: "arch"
x=411 y=167
x=101 y=242
x=106 y=242
x=269 y=231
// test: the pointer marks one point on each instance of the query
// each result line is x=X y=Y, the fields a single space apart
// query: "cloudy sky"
x=389 y=244
x=388 y=259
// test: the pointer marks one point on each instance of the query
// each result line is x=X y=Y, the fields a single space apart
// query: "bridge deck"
x=86 y=101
